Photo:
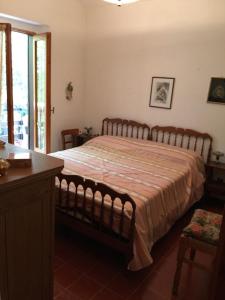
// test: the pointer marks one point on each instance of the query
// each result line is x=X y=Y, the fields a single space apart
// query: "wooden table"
x=80 y=139
x=27 y=228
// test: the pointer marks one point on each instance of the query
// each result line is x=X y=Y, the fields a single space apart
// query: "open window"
x=25 y=65
x=6 y=94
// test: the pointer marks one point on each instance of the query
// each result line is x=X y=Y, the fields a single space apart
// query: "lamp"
x=218 y=154
x=120 y=2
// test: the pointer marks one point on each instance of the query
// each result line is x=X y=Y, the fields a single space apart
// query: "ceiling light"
x=120 y=2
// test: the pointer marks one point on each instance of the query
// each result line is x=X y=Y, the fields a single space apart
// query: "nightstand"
x=214 y=187
x=80 y=139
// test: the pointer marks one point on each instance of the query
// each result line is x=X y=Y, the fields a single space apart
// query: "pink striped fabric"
x=163 y=180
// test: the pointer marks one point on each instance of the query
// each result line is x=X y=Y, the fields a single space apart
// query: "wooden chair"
x=206 y=233
x=68 y=137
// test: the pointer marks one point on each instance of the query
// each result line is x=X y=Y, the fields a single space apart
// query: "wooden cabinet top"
x=42 y=165
x=216 y=165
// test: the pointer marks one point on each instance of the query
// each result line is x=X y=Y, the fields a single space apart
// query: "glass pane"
x=41 y=95
x=3 y=92
x=20 y=89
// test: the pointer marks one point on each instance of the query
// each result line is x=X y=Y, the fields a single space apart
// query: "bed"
x=127 y=187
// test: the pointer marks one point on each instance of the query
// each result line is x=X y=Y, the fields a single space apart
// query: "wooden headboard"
x=180 y=137
x=184 y=138
x=125 y=128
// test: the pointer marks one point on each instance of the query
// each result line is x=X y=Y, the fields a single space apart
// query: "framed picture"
x=161 y=92
x=217 y=91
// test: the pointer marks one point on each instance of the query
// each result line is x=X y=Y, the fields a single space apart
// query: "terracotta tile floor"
x=85 y=270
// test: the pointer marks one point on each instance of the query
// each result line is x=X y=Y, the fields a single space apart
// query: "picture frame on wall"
x=162 y=92
x=216 y=91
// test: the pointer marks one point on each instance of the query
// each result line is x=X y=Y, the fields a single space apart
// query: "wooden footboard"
x=97 y=211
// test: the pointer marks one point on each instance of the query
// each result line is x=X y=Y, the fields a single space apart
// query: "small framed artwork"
x=162 y=92
x=217 y=91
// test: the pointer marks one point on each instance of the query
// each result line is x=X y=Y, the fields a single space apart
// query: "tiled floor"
x=87 y=270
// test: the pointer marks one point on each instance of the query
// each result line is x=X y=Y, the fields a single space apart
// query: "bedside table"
x=214 y=187
x=80 y=139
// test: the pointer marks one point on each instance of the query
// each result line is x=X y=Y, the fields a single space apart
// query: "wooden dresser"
x=27 y=228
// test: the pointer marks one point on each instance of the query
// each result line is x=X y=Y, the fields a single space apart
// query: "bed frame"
x=125 y=128
x=84 y=220
x=77 y=216
x=184 y=138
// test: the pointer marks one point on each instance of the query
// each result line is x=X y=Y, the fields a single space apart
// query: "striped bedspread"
x=163 y=180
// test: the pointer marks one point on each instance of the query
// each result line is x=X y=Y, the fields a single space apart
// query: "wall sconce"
x=69 y=91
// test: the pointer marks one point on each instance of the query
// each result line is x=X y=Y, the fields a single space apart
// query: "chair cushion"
x=204 y=226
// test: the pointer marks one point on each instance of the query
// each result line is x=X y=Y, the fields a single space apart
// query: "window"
x=25 y=91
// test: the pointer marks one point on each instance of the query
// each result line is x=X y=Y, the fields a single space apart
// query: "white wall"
x=66 y=21
x=128 y=45
x=125 y=47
